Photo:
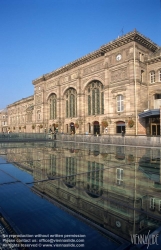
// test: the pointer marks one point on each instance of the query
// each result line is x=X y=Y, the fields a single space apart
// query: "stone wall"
x=151 y=141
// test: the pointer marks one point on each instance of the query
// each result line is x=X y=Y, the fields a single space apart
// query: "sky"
x=40 y=36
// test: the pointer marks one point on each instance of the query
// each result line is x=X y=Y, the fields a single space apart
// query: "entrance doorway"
x=155 y=129
x=72 y=128
x=120 y=127
x=96 y=128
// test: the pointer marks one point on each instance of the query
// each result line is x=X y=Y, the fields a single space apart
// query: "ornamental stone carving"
x=38 y=99
x=102 y=76
x=120 y=89
x=64 y=195
x=94 y=77
x=118 y=75
x=72 y=199
x=38 y=107
x=85 y=80
x=74 y=76
x=68 y=78
x=118 y=207
x=52 y=83
x=93 y=68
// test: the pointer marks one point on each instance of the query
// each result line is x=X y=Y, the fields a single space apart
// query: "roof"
x=150 y=167
x=154 y=176
x=22 y=100
x=120 y=41
x=3 y=110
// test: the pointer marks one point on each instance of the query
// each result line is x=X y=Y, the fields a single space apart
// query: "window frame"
x=95 y=98
x=70 y=103
x=152 y=203
x=119 y=181
x=38 y=116
x=159 y=206
x=159 y=75
x=53 y=106
x=120 y=103
x=152 y=76
x=142 y=76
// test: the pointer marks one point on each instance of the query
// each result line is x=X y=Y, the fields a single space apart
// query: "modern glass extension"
x=97 y=196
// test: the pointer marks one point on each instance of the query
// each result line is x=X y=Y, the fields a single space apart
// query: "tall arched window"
x=94 y=186
x=71 y=102
x=71 y=172
x=38 y=115
x=51 y=171
x=95 y=98
x=53 y=104
x=120 y=103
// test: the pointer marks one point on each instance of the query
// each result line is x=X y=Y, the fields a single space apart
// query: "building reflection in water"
x=116 y=187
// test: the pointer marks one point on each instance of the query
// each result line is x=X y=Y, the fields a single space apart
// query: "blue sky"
x=39 y=36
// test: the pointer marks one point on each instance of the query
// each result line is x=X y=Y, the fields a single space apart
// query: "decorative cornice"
x=153 y=60
x=129 y=37
x=118 y=89
x=29 y=98
x=133 y=36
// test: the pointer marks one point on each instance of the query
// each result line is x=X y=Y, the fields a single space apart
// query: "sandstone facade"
x=109 y=91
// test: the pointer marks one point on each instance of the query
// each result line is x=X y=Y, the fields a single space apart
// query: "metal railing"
x=22 y=136
x=132 y=140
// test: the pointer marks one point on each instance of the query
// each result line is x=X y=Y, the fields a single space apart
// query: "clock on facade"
x=118 y=57
x=118 y=223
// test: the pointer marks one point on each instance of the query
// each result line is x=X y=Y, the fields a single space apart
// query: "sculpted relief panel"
x=52 y=83
x=68 y=78
x=93 y=68
x=95 y=76
x=38 y=98
x=118 y=75
x=92 y=209
x=74 y=76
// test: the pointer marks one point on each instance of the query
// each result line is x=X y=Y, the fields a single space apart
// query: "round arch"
x=96 y=128
x=67 y=88
x=91 y=80
x=120 y=127
x=48 y=96
x=94 y=94
x=70 y=97
x=72 y=128
x=52 y=103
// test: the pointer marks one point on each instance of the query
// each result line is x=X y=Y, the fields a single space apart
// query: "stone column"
x=92 y=128
x=80 y=106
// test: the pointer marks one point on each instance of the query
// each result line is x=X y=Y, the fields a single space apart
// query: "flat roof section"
x=149 y=113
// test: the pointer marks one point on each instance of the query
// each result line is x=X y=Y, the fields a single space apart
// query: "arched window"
x=71 y=102
x=51 y=171
x=152 y=76
x=53 y=104
x=142 y=75
x=95 y=98
x=71 y=172
x=38 y=115
x=94 y=186
x=120 y=103
x=29 y=112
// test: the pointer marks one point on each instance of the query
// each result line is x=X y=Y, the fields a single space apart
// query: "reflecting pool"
x=95 y=196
